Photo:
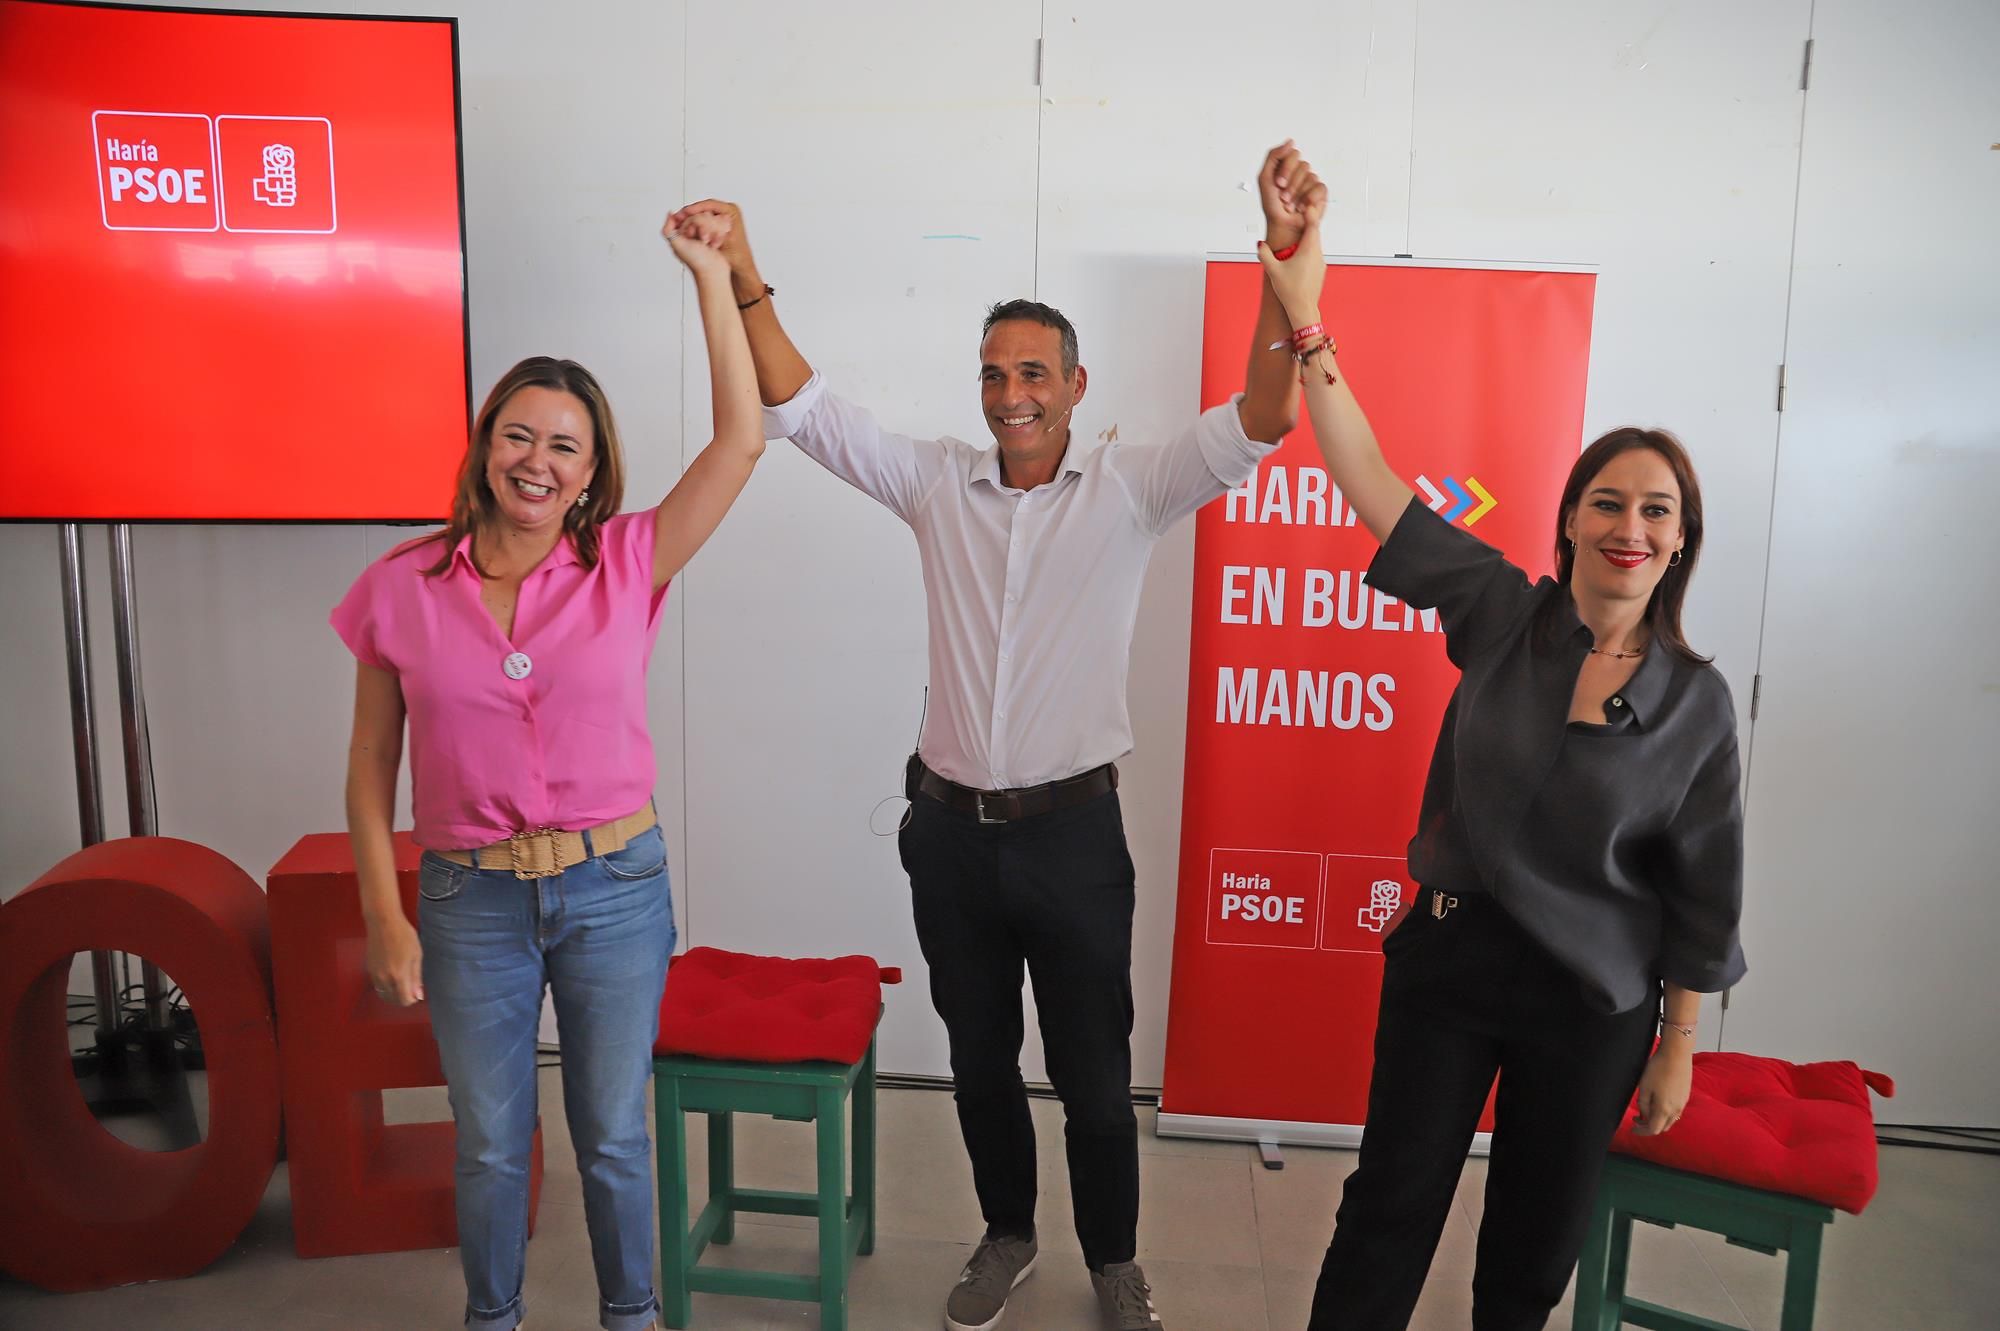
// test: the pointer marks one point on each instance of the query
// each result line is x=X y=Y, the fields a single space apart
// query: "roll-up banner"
x=1314 y=700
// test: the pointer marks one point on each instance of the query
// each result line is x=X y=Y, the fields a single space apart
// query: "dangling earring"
x=582 y=497
x=1673 y=559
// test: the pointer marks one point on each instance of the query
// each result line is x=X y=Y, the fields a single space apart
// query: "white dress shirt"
x=1032 y=594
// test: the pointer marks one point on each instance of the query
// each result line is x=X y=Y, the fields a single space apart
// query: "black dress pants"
x=1052 y=894
x=1464 y=998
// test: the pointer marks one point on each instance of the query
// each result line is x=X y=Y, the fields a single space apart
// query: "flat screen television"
x=232 y=265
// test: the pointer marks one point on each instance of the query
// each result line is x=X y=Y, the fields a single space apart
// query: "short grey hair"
x=1048 y=316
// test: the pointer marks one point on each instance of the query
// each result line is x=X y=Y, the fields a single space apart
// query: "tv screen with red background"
x=232 y=266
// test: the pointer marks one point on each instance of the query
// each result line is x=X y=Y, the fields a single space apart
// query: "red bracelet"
x=1285 y=253
x=1304 y=335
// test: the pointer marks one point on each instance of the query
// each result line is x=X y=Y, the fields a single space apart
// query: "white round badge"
x=517 y=666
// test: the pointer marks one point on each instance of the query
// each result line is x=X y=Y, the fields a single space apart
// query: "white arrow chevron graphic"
x=1437 y=499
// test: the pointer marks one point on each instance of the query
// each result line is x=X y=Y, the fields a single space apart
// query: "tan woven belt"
x=545 y=852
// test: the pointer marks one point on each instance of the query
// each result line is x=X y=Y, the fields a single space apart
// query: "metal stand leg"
x=83 y=740
x=130 y=1070
x=139 y=798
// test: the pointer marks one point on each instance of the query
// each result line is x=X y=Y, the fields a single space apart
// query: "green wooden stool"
x=1768 y=1222
x=800 y=1092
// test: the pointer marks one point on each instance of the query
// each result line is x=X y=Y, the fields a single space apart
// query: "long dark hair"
x=473 y=505
x=1663 y=610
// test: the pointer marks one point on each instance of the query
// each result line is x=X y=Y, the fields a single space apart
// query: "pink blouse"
x=547 y=729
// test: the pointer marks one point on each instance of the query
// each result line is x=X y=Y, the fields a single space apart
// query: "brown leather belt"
x=544 y=852
x=1006 y=806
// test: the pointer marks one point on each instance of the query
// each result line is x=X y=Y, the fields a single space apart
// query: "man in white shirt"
x=1033 y=553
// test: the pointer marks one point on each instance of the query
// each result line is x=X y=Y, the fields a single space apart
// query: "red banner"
x=1314 y=700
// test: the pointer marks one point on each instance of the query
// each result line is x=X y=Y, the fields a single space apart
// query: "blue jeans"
x=598 y=936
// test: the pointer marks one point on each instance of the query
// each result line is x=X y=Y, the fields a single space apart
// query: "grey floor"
x=1228 y=1245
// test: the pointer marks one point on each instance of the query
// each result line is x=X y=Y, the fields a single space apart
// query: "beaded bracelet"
x=1305 y=356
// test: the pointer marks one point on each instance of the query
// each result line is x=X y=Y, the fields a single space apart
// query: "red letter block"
x=80 y=1209
x=358 y=1184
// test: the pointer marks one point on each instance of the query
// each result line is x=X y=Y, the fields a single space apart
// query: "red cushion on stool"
x=1801 y=1128
x=769 y=1009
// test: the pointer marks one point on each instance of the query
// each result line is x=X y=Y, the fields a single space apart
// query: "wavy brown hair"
x=473 y=507
x=1663 y=610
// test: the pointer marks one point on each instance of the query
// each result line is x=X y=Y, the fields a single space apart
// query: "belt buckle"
x=1441 y=905
x=520 y=843
x=979 y=807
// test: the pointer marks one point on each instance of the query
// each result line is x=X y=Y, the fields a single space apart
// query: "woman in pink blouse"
x=514 y=643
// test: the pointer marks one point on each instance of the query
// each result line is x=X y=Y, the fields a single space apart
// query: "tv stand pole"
x=143 y=815
x=133 y=1068
x=83 y=739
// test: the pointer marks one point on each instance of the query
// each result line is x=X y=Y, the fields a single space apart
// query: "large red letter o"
x=84 y=1210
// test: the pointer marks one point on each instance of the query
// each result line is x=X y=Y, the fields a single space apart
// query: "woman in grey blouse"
x=1579 y=849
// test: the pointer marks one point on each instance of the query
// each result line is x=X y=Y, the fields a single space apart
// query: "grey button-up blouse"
x=1619 y=847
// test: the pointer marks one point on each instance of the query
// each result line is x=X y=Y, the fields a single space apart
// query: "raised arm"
x=1269 y=408
x=781 y=370
x=695 y=506
x=374 y=755
x=1353 y=457
x=843 y=438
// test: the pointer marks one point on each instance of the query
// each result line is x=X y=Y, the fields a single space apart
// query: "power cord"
x=1988 y=1139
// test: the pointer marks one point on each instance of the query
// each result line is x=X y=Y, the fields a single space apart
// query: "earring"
x=583 y=496
x=1673 y=559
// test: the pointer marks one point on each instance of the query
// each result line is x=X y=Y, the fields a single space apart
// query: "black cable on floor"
x=1938 y=1146
x=1988 y=1138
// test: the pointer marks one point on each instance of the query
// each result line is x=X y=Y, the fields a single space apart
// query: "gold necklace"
x=1617 y=656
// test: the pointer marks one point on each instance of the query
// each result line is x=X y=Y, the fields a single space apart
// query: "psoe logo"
x=1385 y=898
x=279 y=185
x=155 y=170
x=187 y=171
x=277 y=174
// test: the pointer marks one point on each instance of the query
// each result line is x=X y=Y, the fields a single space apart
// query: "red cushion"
x=769 y=1009
x=1801 y=1128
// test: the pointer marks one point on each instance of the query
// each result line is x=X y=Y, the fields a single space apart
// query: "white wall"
x=1658 y=141
x=1876 y=783
x=805 y=616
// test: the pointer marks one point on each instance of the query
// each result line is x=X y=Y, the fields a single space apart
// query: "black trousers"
x=1053 y=894
x=1464 y=998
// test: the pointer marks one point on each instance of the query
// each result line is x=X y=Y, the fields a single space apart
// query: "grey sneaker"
x=980 y=1296
x=1125 y=1299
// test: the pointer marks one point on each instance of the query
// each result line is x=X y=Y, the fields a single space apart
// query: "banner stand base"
x=1261 y=1132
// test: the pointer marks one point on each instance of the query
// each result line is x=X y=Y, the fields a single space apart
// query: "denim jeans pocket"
x=438 y=879
x=642 y=857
